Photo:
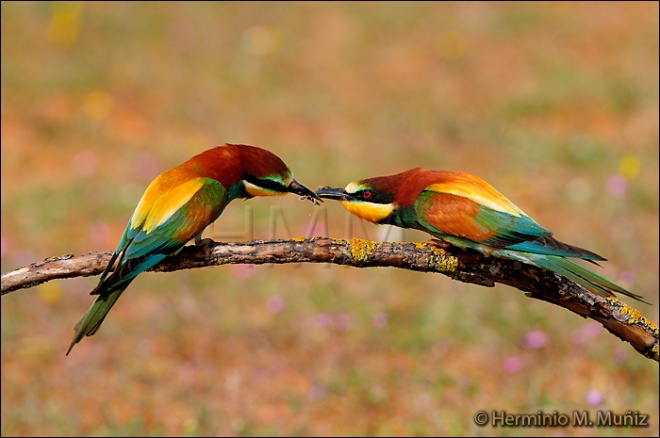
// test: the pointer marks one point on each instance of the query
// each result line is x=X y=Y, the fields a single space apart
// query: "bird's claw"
x=436 y=241
x=204 y=242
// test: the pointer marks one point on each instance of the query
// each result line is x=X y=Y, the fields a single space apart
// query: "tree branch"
x=623 y=321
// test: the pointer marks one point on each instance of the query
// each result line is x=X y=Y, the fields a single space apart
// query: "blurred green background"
x=555 y=104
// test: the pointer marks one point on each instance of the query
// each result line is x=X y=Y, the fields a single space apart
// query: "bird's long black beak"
x=336 y=194
x=299 y=189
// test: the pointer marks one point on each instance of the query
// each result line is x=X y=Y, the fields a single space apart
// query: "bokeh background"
x=555 y=104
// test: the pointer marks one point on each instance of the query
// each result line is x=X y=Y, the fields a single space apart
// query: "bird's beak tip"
x=332 y=193
x=304 y=192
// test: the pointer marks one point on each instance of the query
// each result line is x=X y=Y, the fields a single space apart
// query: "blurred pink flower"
x=380 y=319
x=242 y=270
x=323 y=320
x=512 y=364
x=616 y=185
x=535 y=339
x=586 y=332
x=593 y=397
x=275 y=303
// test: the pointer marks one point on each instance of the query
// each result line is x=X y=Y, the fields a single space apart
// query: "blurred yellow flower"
x=64 y=26
x=629 y=167
x=451 y=45
x=50 y=292
x=98 y=105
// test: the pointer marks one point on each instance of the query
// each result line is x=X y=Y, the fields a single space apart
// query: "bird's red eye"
x=367 y=194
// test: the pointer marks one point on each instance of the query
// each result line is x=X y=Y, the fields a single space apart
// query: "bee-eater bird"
x=177 y=206
x=469 y=213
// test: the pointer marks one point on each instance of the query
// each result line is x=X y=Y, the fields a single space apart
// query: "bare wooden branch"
x=623 y=321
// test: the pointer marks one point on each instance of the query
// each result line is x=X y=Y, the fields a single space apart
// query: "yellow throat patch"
x=369 y=211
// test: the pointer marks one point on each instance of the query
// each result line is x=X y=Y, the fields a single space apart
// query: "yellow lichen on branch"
x=441 y=261
x=360 y=249
x=617 y=317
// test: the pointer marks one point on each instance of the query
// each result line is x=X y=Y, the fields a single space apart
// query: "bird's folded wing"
x=469 y=212
x=174 y=217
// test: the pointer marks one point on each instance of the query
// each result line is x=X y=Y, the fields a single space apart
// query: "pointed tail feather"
x=92 y=319
x=109 y=289
x=586 y=278
x=548 y=245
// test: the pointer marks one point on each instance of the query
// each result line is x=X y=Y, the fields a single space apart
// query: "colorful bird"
x=177 y=206
x=469 y=213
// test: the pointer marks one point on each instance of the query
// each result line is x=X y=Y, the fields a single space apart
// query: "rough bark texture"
x=617 y=317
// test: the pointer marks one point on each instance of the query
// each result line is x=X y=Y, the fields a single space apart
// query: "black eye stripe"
x=382 y=198
x=264 y=183
x=376 y=198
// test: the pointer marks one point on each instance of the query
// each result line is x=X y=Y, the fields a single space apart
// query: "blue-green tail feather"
x=109 y=290
x=126 y=272
x=92 y=319
x=548 y=245
x=579 y=274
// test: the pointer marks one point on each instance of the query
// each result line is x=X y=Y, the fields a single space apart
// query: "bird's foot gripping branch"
x=617 y=317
